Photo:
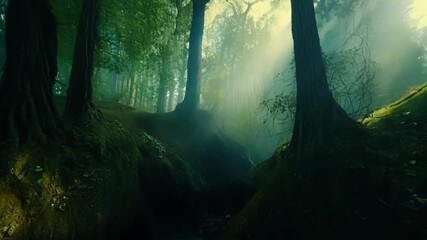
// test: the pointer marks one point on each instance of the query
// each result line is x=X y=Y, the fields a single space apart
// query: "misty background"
x=374 y=50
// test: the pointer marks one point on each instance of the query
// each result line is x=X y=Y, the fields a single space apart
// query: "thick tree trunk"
x=194 y=69
x=79 y=95
x=319 y=119
x=26 y=102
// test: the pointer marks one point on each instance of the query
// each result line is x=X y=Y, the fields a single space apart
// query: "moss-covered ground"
x=117 y=174
x=85 y=189
x=374 y=188
x=169 y=176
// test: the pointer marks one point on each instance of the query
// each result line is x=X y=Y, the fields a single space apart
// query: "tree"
x=3 y=5
x=164 y=78
x=26 y=102
x=79 y=94
x=191 y=100
x=319 y=119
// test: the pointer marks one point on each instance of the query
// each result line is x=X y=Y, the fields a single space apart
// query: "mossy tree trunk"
x=319 y=119
x=26 y=101
x=79 y=94
x=191 y=100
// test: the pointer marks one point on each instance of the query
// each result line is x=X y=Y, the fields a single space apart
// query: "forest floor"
x=159 y=176
x=375 y=188
x=168 y=176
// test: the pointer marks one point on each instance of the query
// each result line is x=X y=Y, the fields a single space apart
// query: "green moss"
x=86 y=189
x=12 y=215
x=411 y=109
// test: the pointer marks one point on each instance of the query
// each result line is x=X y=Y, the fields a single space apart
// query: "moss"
x=13 y=220
x=108 y=171
x=85 y=189
x=410 y=110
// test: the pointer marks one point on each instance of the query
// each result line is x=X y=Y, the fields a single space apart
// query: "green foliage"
x=133 y=37
x=133 y=32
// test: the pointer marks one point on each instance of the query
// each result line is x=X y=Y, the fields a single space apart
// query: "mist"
x=375 y=52
x=389 y=34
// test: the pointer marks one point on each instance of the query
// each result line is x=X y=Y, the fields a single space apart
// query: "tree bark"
x=319 y=119
x=79 y=94
x=26 y=100
x=191 y=100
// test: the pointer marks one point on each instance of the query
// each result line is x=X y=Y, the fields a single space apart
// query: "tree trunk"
x=26 y=101
x=319 y=119
x=194 y=69
x=170 y=98
x=137 y=89
x=79 y=94
x=143 y=88
x=123 y=84
x=181 y=77
x=162 y=90
x=113 y=83
x=131 y=88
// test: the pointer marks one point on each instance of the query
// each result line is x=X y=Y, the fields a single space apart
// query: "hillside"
x=373 y=189
x=173 y=177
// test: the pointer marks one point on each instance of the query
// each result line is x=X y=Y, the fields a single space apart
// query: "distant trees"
x=319 y=119
x=26 y=102
x=141 y=53
x=164 y=78
x=234 y=37
x=79 y=94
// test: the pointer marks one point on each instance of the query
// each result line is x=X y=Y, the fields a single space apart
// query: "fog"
x=392 y=34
